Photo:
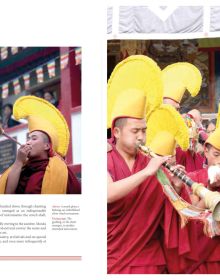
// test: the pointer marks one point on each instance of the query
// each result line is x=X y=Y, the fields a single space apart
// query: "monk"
x=189 y=159
x=192 y=159
x=27 y=172
x=201 y=254
x=178 y=77
x=135 y=201
x=212 y=155
x=40 y=167
x=211 y=126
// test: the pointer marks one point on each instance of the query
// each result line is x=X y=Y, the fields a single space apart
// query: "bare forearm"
x=13 y=178
x=119 y=189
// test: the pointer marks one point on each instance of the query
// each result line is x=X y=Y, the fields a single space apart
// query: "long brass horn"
x=2 y=132
x=212 y=199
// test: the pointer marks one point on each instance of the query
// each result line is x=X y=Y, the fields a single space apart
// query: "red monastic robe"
x=191 y=161
x=201 y=176
x=31 y=178
x=134 y=232
x=188 y=250
x=212 y=264
x=144 y=222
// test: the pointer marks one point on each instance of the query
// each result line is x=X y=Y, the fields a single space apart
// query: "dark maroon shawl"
x=32 y=174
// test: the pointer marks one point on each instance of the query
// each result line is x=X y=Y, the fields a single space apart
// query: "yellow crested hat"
x=214 y=137
x=165 y=128
x=43 y=116
x=163 y=144
x=178 y=77
x=130 y=103
x=137 y=73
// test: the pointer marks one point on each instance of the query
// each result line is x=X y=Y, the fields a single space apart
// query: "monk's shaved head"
x=121 y=122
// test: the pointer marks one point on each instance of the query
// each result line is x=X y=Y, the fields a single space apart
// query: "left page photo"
x=40 y=153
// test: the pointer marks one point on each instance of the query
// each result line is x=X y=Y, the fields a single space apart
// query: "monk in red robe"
x=190 y=159
x=135 y=203
x=27 y=173
x=40 y=167
x=187 y=250
x=201 y=176
x=178 y=77
x=201 y=254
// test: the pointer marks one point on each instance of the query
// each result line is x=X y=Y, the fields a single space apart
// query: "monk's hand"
x=215 y=184
x=176 y=182
x=22 y=154
x=154 y=164
x=214 y=177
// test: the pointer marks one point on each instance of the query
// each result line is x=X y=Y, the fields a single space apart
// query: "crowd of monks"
x=145 y=230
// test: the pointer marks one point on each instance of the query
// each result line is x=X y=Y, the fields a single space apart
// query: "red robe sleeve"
x=187 y=249
x=73 y=185
x=191 y=161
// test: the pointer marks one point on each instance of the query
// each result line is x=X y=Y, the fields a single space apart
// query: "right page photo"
x=163 y=139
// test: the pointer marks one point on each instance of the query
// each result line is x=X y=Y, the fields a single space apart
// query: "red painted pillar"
x=212 y=89
x=70 y=96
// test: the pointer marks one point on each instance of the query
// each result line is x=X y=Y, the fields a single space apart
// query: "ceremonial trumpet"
x=212 y=199
x=2 y=132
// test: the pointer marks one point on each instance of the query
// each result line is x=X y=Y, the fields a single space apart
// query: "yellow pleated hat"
x=135 y=73
x=178 y=77
x=130 y=103
x=165 y=128
x=163 y=144
x=43 y=116
x=214 y=139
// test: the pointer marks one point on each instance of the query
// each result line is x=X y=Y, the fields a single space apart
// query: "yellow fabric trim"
x=54 y=181
x=3 y=180
x=55 y=177
x=179 y=205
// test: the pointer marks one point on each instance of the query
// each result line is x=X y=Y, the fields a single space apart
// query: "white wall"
x=20 y=133
x=76 y=137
